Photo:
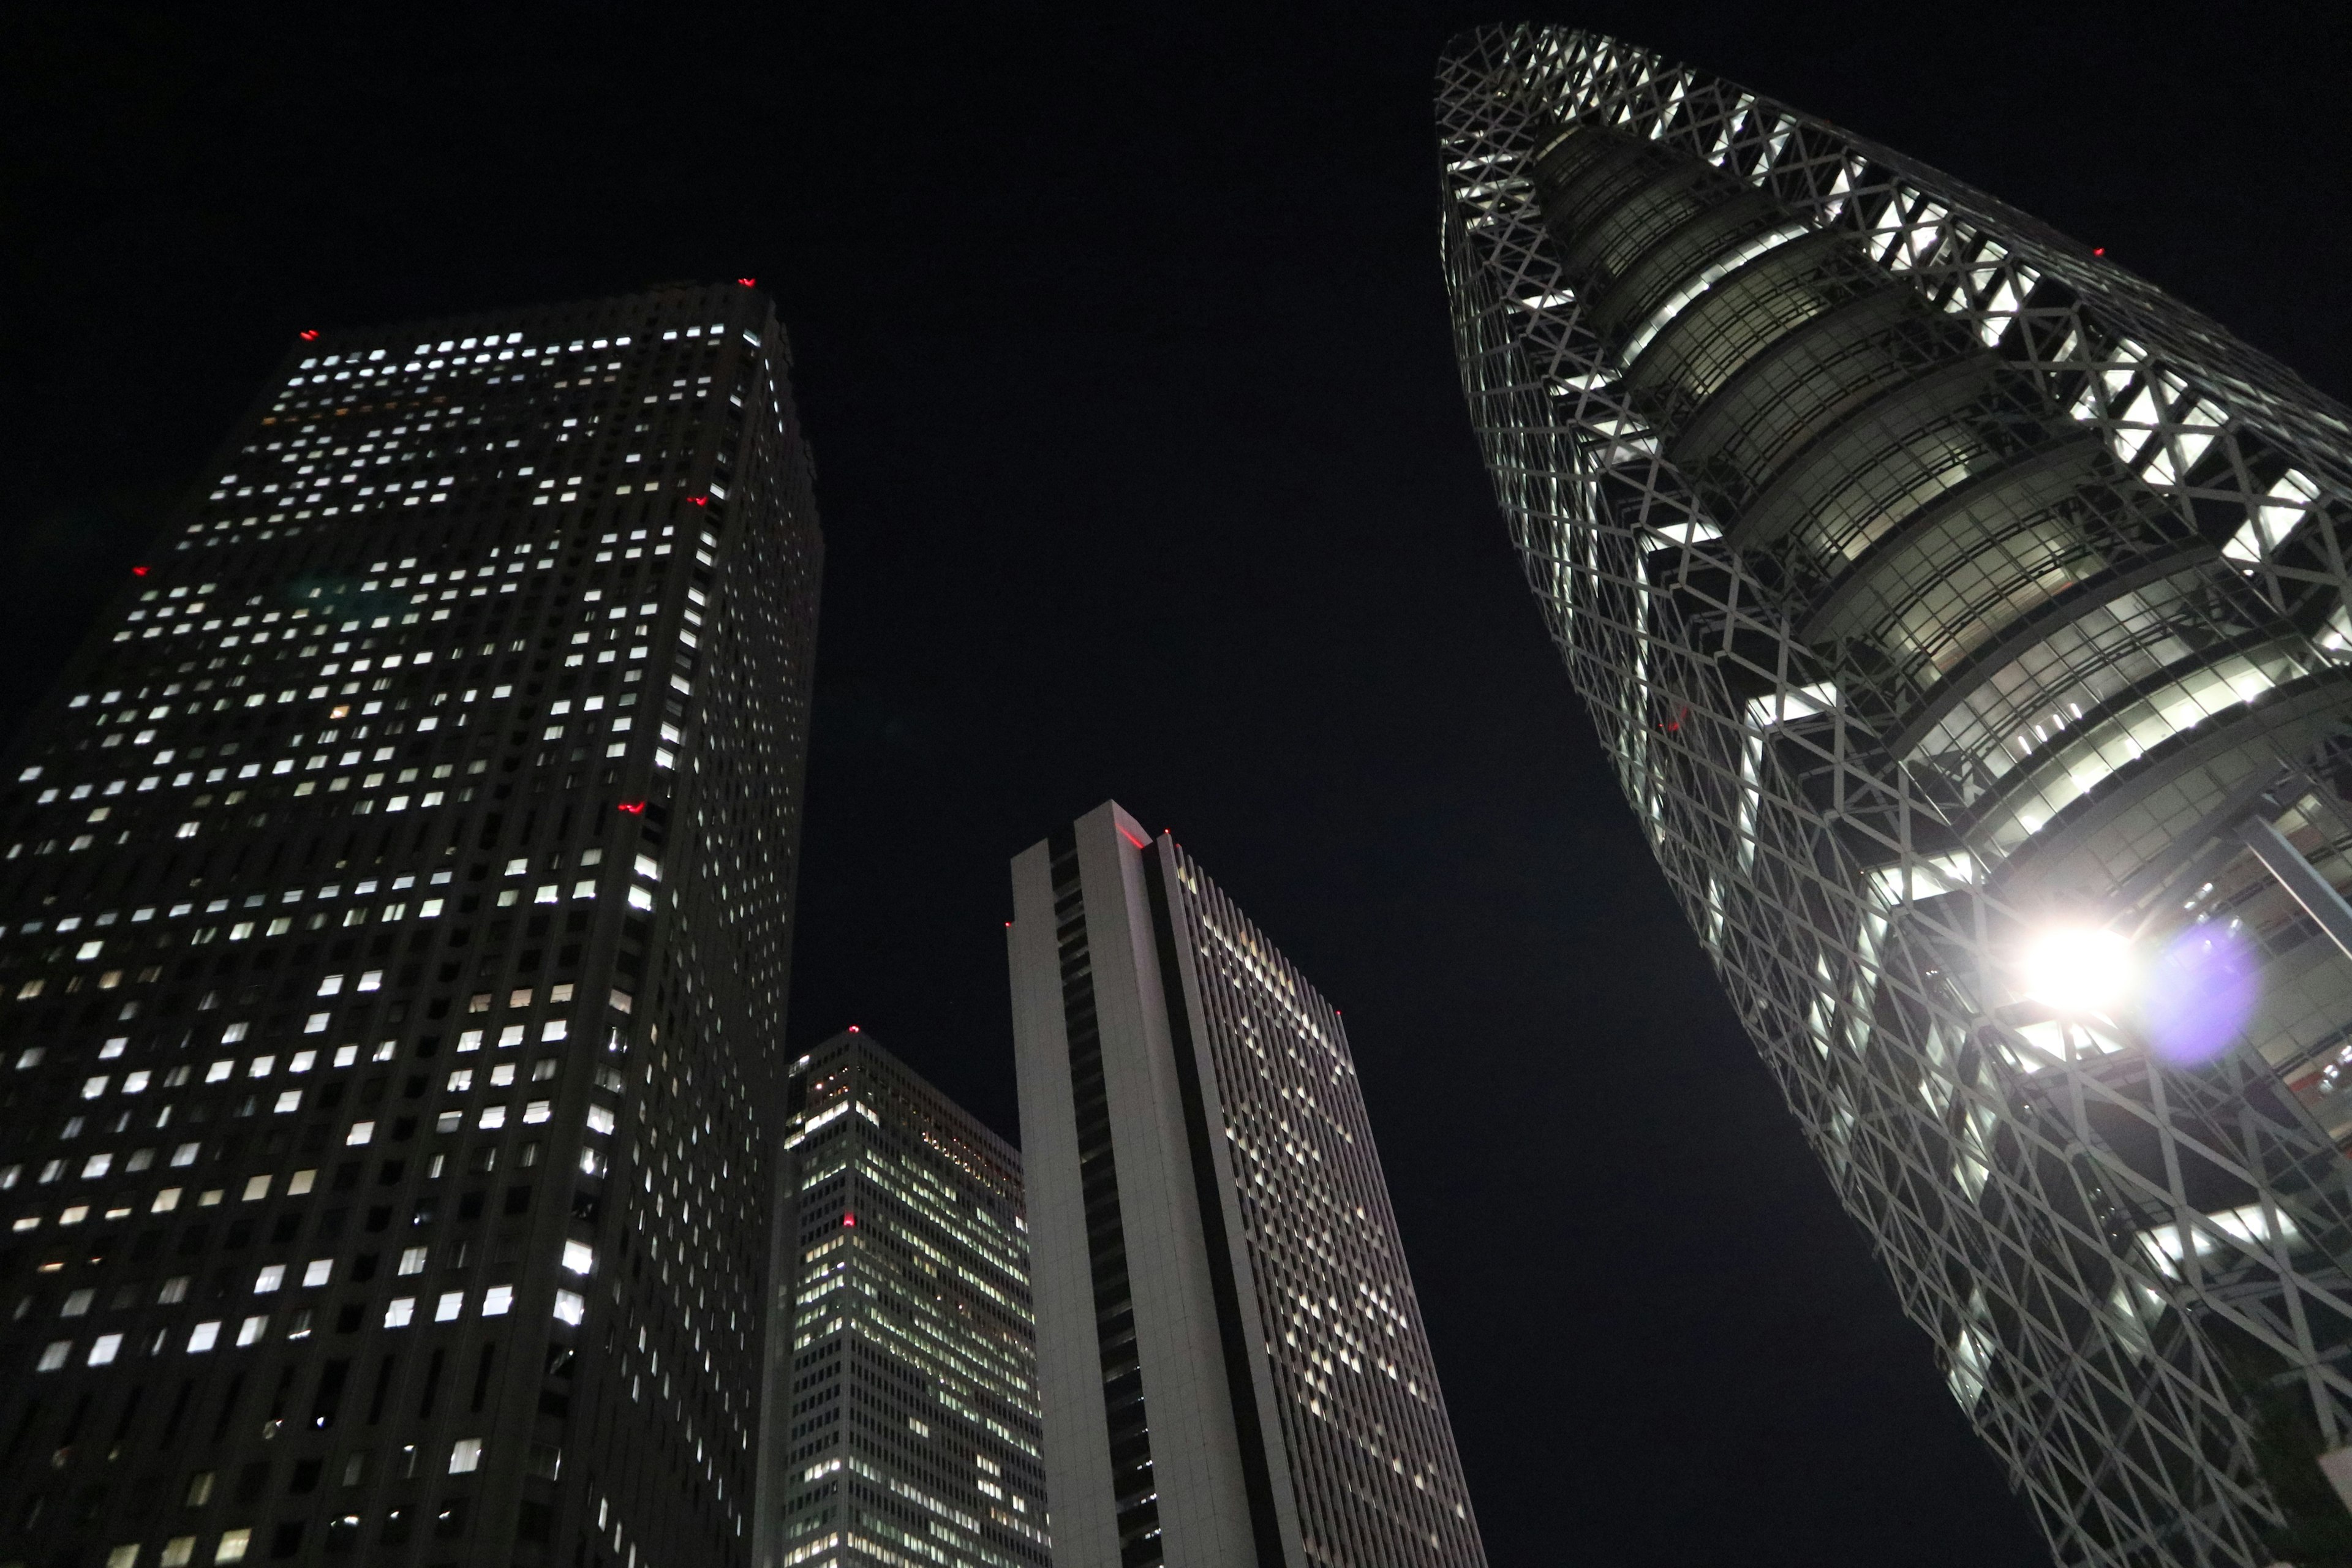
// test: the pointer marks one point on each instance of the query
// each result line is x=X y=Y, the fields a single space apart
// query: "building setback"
x=1232 y=1358
x=902 y=1421
x=1967 y=624
x=394 y=933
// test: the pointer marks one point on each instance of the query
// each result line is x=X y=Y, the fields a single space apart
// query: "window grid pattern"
x=1371 y=1452
x=375 y=1062
x=2011 y=713
x=1689 y=359
x=1843 y=501
x=903 y=1403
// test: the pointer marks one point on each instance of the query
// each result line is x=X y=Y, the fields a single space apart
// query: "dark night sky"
x=1145 y=473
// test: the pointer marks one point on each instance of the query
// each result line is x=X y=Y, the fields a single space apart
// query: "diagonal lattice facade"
x=1934 y=584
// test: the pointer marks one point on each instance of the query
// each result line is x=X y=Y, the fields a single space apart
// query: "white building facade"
x=1231 y=1353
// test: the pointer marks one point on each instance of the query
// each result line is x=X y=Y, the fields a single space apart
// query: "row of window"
x=306 y=486
x=640 y=895
x=399 y=1312
x=600 y=1120
x=237 y=1545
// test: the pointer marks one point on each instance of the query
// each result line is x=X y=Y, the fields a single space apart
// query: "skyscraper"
x=902 y=1397
x=397 y=895
x=1231 y=1355
x=1967 y=623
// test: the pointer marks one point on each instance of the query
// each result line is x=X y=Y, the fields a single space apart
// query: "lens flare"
x=2078 y=969
x=2200 y=994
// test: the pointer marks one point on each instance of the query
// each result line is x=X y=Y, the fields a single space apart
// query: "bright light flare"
x=2201 y=992
x=2079 y=968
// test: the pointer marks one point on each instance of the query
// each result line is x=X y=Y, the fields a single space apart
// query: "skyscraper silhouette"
x=1232 y=1354
x=902 y=1406
x=397 y=898
x=1965 y=622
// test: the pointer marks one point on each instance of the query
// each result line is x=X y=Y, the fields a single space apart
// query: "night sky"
x=1145 y=473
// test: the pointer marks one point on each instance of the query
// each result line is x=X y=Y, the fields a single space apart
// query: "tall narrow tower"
x=1232 y=1358
x=1967 y=623
x=397 y=898
x=902 y=1394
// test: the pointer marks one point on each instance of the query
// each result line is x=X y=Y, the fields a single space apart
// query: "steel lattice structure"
x=1933 y=582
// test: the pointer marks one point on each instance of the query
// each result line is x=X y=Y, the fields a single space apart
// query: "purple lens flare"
x=2200 y=994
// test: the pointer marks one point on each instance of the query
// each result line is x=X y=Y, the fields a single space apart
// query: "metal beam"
x=2300 y=877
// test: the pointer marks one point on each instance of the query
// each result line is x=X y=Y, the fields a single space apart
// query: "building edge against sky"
x=392 y=1089
x=1967 y=623
x=1231 y=1353
x=902 y=1421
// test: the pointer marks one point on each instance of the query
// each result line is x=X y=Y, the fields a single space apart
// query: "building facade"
x=1965 y=622
x=397 y=898
x=902 y=1397
x=1232 y=1354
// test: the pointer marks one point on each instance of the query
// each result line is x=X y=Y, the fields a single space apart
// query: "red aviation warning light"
x=310 y=334
x=139 y=571
x=633 y=807
x=848 y=1222
x=747 y=282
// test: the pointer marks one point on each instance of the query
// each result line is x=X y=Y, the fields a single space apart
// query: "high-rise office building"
x=902 y=1420
x=397 y=895
x=1967 y=623
x=1231 y=1355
